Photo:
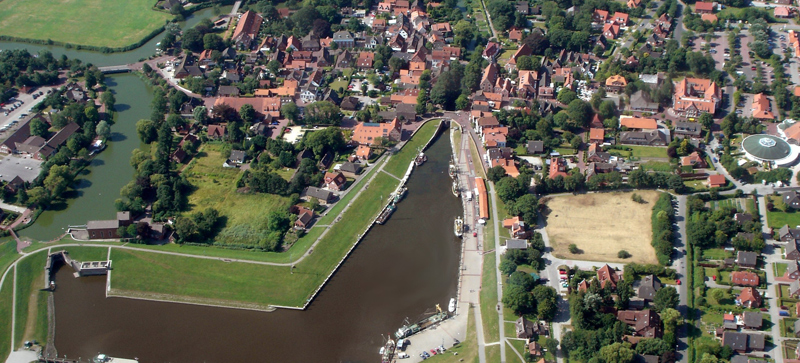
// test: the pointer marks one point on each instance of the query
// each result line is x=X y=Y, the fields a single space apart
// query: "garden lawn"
x=658 y=166
x=648 y=151
x=101 y=23
x=245 y=215
x=780 y=268
x=410 y=150
x=716 y=254
x=777 y=218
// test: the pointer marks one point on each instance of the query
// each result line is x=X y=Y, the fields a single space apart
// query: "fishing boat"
x=387 y=351
x=452 y=307
x=456 y=190
x=452 y=170
x=398 y=195
x=386 y=213
x=459 y=227
x=421 y=158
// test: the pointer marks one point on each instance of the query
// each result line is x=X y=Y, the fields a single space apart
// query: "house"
x=791 y=199
x=749 y=298
x=524 y=328
x=363 y=152
x=752 y=320
x=344 y=39
x=228 y=91
x=690 y=129
x=597 y=135
x=786 y=234
x=607 y=275
x=645 y=323
x=716 y=181
x=632 y=4
x=711 y=18
x=611 y=31
x=15 y=184
x=792 y=252
x=522 y=7
x=491 y=51
x=324 y=196
x=600 y=16
x=334 y=181
x=638 y=123
x=694 y=96
x=535 y=349
x=783 y=12
x=104 y=229
x=535 y=147
x=237 y=156
x=746 y=259
x=516 y=244
x=369 y=133
x=247 y=28
x=304 y=218
x=640 y=101
x=743 y=218
x=489 y=77
x=350 y=170
x=558 y=167
x=616 y=83
x=792 y=271
x=648 y=287
x=216 y=132
x=743 y=342
x=645 y=138
x=794 y=289
x=694 y=160
x=761 y=109
x=516 y=227
x=744 y=278
x=365 y=60
x=702 y=7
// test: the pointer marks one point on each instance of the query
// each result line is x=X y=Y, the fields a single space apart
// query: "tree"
x=607 y=109
x=526 y=207
x=522 y=279
x=146 y=130
x=617 y=353
x=102 y=129
x=463 y=31
x=653 y=346
x=247 y=113
x=507 y=267
x=566 y=96
x=213 y=41
x=580 y=112
x=290 y=111
x=509 y=188
x=57 y=179
x=623 y=254
x=496 y=173
x=192 y=40
x=518 y=299
x=707 y=120
x=666 y=298
x=323 y=113
x=200 y=114
x=573 y=248
x=39 y=127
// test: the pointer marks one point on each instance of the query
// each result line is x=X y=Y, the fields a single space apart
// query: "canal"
x=401 y=269
x=111 y=59
x=97 y=187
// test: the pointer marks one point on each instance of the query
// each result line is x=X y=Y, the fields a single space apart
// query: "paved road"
x=497 y=250
x=677 y=34
x=679 y=264
x=236 y=6
x=772 y=257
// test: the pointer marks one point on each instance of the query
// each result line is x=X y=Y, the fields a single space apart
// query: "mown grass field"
x=245 y=214
x=102 y=23
x=411 y=149
x=6 y=296
x=177 y=278
x=31 y=302
x=777 y=218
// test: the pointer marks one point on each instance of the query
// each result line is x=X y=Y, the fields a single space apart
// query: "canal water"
x=111 y=59
x=95 y=189
x=401 y=269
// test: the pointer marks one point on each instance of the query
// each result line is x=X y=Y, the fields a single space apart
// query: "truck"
x=469 y=195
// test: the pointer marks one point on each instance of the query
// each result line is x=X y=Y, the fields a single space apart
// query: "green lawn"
x=84 y=254
x=245 y=214
x=179 y=278
x=337 y=208
x=493 y=354
x=648 y=151
x=780 y=268
x=491 y=321
x=658 y=166
x=411 y=149
x=716 y=254
x=31 y=302
x=777 y=218
x=519 y=346
x=101 y=23
x=6 y=297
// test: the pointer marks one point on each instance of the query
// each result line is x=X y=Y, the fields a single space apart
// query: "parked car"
x=678 y=281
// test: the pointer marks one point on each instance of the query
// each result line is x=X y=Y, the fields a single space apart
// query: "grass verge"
x=6 y=296
x=491 y=321
x=411 y=149
x=30 y=280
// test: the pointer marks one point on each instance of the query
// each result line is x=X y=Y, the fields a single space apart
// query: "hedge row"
x=662 y=228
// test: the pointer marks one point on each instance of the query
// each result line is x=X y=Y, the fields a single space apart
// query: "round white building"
x=769 y=149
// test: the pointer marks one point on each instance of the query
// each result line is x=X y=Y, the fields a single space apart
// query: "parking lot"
x=20 y=105
x=26 y=167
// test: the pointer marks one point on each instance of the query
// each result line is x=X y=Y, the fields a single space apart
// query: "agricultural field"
x=100 y=23
x=629 y=228
x=245 y=214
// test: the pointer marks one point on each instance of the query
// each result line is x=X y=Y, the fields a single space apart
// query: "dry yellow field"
x=602 y=224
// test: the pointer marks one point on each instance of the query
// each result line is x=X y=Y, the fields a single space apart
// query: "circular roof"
x=766 y=147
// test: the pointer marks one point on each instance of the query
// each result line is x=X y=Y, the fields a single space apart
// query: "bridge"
x=115 y=69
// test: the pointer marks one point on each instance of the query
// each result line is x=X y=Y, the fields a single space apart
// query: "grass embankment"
x=177 y=278
x=6 y=296
x=245 y=214
x=84 y=254
x=491 y=321
x=100 y=23
x=337 y=208
x=476 y=160
x=31 y=302
x=468 y=349
x=411 y=149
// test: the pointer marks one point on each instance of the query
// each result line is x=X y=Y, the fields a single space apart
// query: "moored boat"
x=452 y=307
x=386 y=213
x=456 y=190
x=458 y=228
x=421 y=158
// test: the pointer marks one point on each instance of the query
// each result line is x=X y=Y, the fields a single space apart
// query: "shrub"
x=662 y=219
x=573 y=248
x=623 y=254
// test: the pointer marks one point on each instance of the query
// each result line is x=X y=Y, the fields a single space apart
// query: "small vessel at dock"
x=399 y=194
x=384 y=216
x=421 y=158
x=411 y=329
x=387 y=351
x=456 y=190
x=452 y=307
x=452 y=170
x=459 y=227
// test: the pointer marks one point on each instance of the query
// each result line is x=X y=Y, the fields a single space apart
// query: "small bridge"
x=115 y=69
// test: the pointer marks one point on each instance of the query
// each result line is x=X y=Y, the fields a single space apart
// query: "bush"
x=662 y=219
x=573 y=248
x=623 y=254
x=637 y=198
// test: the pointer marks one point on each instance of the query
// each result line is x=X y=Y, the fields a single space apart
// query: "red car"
x=678 y=282
x=474 y=234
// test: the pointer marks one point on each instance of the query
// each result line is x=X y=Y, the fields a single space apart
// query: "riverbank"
x=174 y=278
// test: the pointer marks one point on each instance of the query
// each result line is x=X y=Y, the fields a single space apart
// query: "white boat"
x=452 y=307
x=458 y=228
x=421 y=158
